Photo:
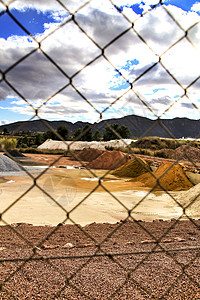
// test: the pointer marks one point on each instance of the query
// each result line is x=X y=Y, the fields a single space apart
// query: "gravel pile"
x=128 y=272
x=192 y=196
x=80 y=145
x=8 y=165
x=187 y=153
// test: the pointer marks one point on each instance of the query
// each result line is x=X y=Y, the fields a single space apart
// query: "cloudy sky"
x=82 y=83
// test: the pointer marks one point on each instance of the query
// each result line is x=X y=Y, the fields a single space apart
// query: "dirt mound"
x=133 y=168
x=15 y=153
x=174 y=179
x=89 y=154
x=184 y=152
x=108 y=159
x=8 y=165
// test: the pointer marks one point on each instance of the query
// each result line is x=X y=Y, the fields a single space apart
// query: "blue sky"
x=37 y=79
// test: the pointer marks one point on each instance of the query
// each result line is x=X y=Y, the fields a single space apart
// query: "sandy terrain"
x=106 y=256
x=72 y=189
x=79 y=194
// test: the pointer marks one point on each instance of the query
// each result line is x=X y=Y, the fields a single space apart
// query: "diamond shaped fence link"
x=99 y=249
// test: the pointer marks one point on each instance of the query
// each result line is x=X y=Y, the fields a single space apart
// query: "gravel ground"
x=21 y=172
x=128 y=264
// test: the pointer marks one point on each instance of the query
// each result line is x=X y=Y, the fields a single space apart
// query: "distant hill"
x=138 y=126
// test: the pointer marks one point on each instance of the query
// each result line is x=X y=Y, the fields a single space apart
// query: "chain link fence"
x=100 y=261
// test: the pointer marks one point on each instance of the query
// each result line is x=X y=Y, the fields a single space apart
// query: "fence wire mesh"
x=99 y=261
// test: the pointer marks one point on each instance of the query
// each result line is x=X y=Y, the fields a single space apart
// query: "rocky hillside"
x=138 y=126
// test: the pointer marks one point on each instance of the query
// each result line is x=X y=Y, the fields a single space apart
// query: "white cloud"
x=196 y=7
x=25 y=110
x=14 y=48
x=185 y=19
x=158 y=30
x=44 y=5
x=36 y=78
x=4 y=122
x=18 y=102
x=101 y=21
x=183 y=61
x=132 y=2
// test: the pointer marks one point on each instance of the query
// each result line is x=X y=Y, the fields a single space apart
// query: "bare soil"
x=124 y=260
x=101 y=261
x=50 y=160
x=59 y=160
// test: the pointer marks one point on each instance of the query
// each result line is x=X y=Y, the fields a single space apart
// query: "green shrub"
x=8 y=144
x=44 y=151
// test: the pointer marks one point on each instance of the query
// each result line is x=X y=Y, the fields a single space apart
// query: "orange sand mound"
x=89 y=154
x=174 y=179
x=133 y=168
x=108 y=160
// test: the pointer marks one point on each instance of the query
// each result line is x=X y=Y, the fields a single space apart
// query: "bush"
x=156 y=143
x=7 y=144
x=44 y=151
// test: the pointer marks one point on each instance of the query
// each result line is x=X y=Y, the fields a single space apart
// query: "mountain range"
x=138 y=126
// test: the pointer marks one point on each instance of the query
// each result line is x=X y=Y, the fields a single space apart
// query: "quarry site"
x=94 y=202
x=94 y=174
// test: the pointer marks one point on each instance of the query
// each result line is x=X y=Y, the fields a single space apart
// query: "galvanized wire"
x=99 y=249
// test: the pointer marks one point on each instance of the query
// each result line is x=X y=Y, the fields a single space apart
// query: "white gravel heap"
x=192 y=196
x=79 y=145
x=8 y=165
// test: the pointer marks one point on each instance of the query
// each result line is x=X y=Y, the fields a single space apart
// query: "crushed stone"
x=189 y=196
x=187 y=153
x=8 y=165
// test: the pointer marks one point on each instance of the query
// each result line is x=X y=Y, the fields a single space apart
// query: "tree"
x=63 y=131
x=77 y=133
x=97 y=136
x=87 y=133
x=49 y=135
x=122 y=131
x=5 y=131
x=109 y=134
x=38 y=139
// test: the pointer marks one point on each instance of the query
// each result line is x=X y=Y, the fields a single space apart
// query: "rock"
x=68 y=245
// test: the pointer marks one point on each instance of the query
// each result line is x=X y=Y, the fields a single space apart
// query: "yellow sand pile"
x=133 y=168
x=173 y=179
